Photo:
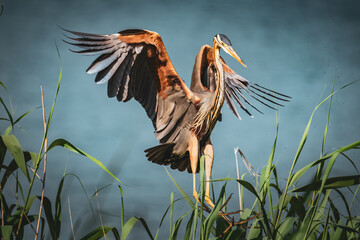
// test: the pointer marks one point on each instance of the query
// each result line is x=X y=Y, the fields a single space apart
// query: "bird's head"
x=223 y=42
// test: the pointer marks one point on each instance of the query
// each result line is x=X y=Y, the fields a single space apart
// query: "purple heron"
x=134 y=63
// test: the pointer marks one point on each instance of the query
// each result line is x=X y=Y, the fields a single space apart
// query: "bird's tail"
x=160 y=154
x=163 y=155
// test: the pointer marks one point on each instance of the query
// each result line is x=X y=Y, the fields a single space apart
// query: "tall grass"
x=15 y=211
x=291 y=212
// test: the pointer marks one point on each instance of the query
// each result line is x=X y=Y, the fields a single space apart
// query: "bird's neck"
x=220 y=84
x=209 y=111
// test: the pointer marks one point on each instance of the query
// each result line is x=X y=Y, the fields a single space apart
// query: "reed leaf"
x=186 y=197
x=331 y=183
x=210 y=220
x=130 y=224
x=97 y=233
x=67 y=145
x=12 y=167
x=285 y=227
x=13 y=145
x=6 y=231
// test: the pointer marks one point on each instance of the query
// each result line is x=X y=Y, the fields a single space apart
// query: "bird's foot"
x=240 y=223
x=209 y=201
x=226 y=215
x=209 y=205
x=197 y=197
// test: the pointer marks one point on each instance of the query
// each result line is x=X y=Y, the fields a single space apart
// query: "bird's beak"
x=229 y=50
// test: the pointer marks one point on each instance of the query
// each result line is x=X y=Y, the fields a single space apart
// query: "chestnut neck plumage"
x=210 y=106
x=219 y=97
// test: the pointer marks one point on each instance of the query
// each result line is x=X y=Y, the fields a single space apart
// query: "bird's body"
x=135 y=64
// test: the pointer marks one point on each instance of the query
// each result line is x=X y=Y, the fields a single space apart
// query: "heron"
x=135 y=64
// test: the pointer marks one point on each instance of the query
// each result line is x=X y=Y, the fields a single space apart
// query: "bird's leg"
x=209 y=158
x=193 y=149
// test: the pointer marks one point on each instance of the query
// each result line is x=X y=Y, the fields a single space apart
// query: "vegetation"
x=293 y=212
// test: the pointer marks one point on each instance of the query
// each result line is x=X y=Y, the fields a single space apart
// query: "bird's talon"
x=209 y=201
x=240 y=224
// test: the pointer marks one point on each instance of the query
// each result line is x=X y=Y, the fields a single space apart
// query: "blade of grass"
x=202 y=195
x=25 y=114
x=327 y=123
x=303 y=170
x=176 y=227
x=195 y=221
x=13 y=145
x=254 y=230
x=351 y=161
x=211 y=218
x=352 y=201
x=116 y=233
x=268 y=170
x=130 y=224
x=13 y=167
x=98 y=190
x=323 y=181
x=344 y=199
x=285 y=228
x=97 y=233
x=84 y=190
x=122 y=206
x=49 y=217
x=297 y=155
x=186 y=197
x=7 y=112
x=1 y=83
x=163 y=217
x=67 y=145
x=45 y=135
x=238 y=177
x=188 y=229
x=171 y=213
x=6 y=231
x=321 y=165
x=330 y=183
x=317 y=215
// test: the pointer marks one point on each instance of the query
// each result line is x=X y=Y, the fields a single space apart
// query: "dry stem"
x=98 y=204
x=71 y=223
x=45 y=161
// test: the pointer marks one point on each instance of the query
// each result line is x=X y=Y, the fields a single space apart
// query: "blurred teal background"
x=295 y=47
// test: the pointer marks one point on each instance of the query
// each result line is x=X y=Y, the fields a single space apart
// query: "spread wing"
x=135 y=64
x=237 y=88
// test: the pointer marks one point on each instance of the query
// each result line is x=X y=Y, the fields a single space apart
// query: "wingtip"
x=64 y=29
x=67 y=42
x=89 y=72
x=60 y=26
x=73 y=51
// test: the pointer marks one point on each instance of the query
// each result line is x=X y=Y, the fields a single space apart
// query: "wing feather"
x=204 y=79
x=135 y=63
x=101 y=74
x=102 y=62
x=115 y=82
x=113 y=69
x=124 y=90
